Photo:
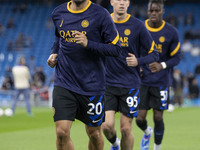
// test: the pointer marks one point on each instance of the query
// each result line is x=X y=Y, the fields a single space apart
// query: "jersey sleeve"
x=109 y=31
x=175 y=53
x=147 y=47
x=55 y=47
x=110 y=37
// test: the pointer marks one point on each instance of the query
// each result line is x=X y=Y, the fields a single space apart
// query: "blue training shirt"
x=79 y=69
x=168 y=46
x=135 y=39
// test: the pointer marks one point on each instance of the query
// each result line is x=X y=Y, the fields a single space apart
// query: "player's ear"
x=128 y=3
x=111 y=2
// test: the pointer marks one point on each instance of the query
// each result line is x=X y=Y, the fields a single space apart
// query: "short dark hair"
x=157 y=1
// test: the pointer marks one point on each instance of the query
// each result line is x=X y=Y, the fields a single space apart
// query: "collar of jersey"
x=78 y=11
x=122 y=21
x=154 y=29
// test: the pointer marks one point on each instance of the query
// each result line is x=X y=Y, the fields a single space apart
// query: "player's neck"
x=78 y=6
x=120 y=17
x=156 y=24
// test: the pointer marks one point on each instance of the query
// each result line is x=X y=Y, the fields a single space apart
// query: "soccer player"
x=157 y=76
x=123 y=82
x=85 y=35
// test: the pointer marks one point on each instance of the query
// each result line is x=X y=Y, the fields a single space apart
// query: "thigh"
x=157 y=115
x=91 y=110
x=111 y=101
x=144 y=98
x=110 y=118
x=128 y=103
x=64 y=104
x=159 y=98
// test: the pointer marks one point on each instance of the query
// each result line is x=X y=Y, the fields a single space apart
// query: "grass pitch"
x=21 y=132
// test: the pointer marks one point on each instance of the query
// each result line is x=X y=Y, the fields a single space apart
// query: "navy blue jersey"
x=168 y=46
x=79 y=69
x=136 y=39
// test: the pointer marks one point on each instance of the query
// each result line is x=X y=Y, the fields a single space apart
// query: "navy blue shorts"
x=68 y=105
x=124 y=100
x=154 y=97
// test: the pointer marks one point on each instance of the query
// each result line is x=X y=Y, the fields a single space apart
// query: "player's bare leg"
x=127 y=139
x=108 y=126
x=96 y=141
x=141 y=119
x=63 y=141
x=109 y=129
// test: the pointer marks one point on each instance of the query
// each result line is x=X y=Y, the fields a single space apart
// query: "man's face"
x=120 y=6
x=155 y=12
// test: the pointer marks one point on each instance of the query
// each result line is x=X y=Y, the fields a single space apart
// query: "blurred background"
x=26 y=29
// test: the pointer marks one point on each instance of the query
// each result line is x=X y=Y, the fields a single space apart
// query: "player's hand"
x=132 y=60
x=80 y=38
x=155 y=67
x=52 y=60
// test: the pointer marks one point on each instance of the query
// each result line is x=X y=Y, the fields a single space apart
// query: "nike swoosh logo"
x=61 y=23
x=95 y=121
x=163 y=105
x=131 y=112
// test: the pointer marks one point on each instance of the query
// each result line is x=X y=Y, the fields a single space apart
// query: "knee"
x=94 y=135
x=157 y=117
x=141 y=123
x=140 y=120
x=125 y=131
x=62 y=133
x=106 y=127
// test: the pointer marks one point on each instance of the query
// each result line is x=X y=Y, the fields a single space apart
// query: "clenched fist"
x=132 y=60
x=52 y=60
x=80 y=38
x=155 y=67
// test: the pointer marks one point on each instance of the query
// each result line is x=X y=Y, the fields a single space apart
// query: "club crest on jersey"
x=84 y=23
x=162 y=39
x=127 y=32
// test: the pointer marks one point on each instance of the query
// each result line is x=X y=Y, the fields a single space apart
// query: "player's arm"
x=52 y=60
x=148 y=51
x=100 y=48
x=175 y=52
x=104 y=49
x=175 y=56
x=55 y=47
x=111 y=45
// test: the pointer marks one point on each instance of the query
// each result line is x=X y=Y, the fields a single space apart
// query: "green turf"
x=22 y=132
